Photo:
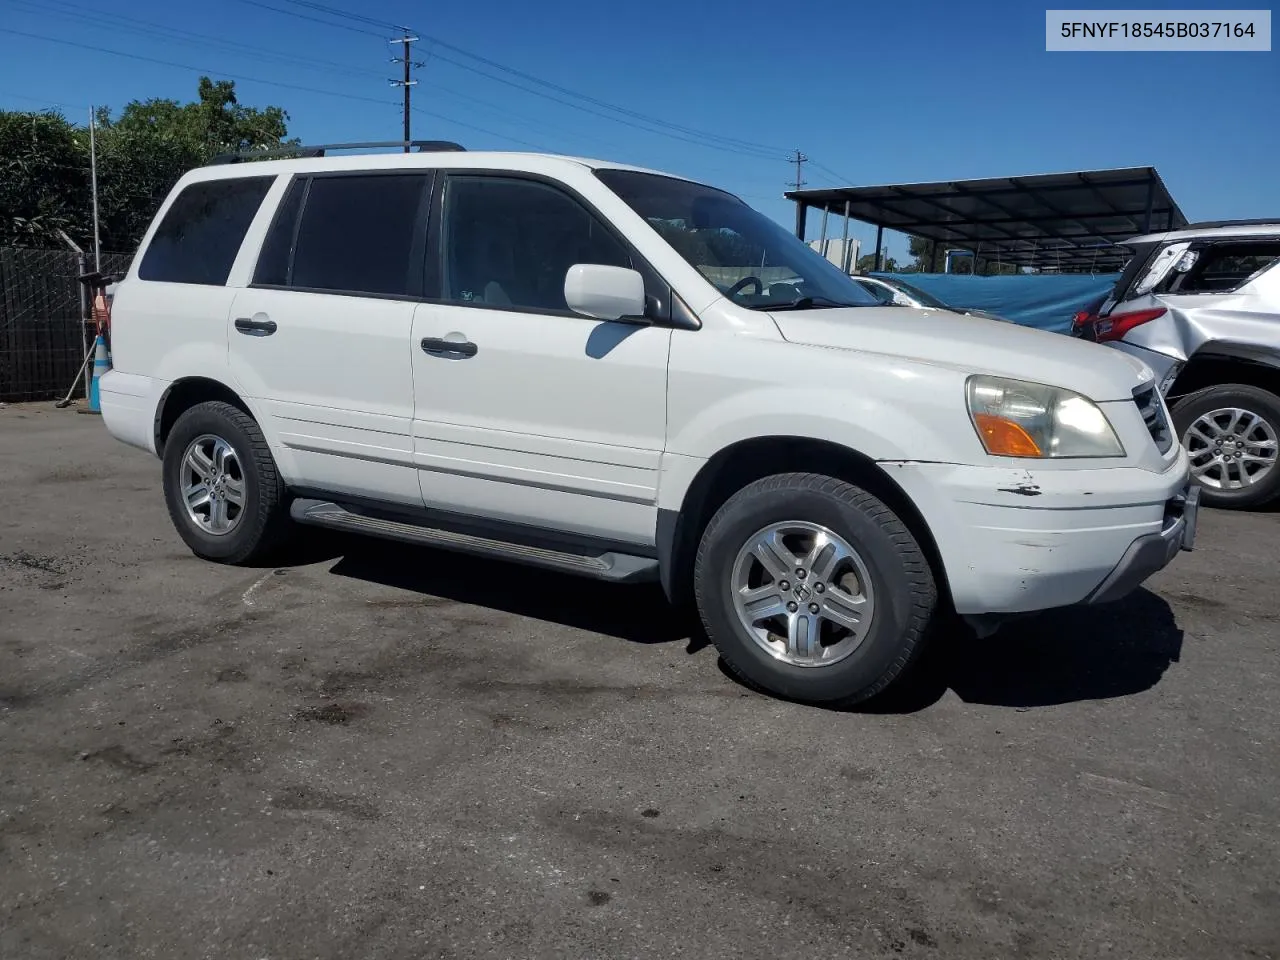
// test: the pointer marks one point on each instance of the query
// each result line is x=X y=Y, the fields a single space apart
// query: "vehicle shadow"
x=1073 y=654
x=1060 y=656
x=638 y=613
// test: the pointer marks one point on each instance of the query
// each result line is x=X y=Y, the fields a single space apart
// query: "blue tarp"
x=1046 y=301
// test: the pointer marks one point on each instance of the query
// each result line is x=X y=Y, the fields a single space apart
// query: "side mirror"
x=605 y=293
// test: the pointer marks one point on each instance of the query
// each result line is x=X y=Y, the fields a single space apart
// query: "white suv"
x=627 y=375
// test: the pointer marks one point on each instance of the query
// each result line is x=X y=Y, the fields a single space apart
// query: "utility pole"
x=799 y=160
x=408 y=82
x=93 y=175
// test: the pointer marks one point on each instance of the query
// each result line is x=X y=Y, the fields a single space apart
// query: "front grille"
x=1153 y=415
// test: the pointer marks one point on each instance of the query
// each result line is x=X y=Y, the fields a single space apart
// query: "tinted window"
x=361 y=235
x=510 y=242
x=200 y=235
x=277 y=249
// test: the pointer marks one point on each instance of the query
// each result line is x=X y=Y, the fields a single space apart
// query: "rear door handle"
x=438 y=347
x=254 y=327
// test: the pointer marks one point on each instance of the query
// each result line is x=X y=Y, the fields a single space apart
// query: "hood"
x=984 y=314
x=971 y=345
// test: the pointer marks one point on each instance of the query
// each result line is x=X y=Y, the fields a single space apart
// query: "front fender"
x=725 y=389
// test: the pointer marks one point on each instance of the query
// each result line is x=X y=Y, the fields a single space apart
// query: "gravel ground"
x=384 y=752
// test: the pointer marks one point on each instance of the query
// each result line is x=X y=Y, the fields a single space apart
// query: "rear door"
x=320 y=338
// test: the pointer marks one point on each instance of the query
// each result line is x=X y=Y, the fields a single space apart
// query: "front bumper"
x=1155 y=551
x=1018 y=541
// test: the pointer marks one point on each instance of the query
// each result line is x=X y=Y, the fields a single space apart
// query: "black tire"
x=263 y=525
x=905 y=593
x=1261 y=403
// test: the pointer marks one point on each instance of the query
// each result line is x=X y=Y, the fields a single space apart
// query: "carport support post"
x=844 y=241
x=1151 y=199
x=879 y=238
x=801 y=210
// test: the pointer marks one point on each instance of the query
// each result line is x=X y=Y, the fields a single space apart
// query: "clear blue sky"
x=874 y=93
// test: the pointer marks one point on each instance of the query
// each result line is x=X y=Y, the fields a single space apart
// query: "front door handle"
x=255 y=327
x=439 y=347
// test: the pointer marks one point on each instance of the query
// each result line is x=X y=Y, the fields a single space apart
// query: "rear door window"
x=363 y=235
x=1221 y=267
x=200 y=235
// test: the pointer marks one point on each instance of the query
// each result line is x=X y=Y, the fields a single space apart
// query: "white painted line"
x=247 y=596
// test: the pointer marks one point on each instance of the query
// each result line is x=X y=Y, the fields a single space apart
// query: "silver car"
x=899 y=294
x=1201 y=306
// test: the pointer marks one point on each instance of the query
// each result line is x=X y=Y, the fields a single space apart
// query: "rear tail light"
x=1117 y=325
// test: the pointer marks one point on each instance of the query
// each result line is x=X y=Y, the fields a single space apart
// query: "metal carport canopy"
x=1065 y=221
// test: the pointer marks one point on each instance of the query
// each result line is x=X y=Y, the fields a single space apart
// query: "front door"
x=320 y=339
x=524 y=410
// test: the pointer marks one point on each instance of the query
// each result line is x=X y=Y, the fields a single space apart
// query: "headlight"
x=1019 y=419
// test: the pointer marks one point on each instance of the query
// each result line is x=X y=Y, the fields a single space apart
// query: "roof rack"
x=320 y=150
x=1210 y=224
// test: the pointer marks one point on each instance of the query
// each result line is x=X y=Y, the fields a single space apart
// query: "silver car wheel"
x=212 y=485
x=1230 y=448
x=803 y=593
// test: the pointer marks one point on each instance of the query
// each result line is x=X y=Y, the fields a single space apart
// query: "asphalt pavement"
x=381 y=752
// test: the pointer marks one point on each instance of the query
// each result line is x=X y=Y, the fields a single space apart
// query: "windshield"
x=750 y=258
x=915 y=293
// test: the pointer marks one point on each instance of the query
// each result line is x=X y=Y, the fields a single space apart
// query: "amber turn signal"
x=1004 y=438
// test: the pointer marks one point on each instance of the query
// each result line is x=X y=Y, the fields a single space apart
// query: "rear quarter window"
x=200 y=235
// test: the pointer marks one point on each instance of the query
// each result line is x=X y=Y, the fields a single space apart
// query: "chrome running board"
x=613 y=566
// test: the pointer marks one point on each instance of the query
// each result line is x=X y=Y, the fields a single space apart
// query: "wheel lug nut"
x=813 y=608
x=792 y=607
x=801 y=574
x=819 y=587
x=784 y=585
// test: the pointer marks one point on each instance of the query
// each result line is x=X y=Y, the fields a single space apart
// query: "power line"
x=638 y=120
x=121 y=23
x=275 y=83
x=51 y=103
x=186 y=66
x=147 y=27
x=836 y=178
x=303 y=16
x=348 y=15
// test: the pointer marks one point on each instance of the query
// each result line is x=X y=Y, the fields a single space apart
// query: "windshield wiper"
x=810 y=303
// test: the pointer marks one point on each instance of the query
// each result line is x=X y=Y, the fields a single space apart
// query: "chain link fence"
x=43 y=332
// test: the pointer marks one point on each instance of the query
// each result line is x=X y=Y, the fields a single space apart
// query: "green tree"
x=44 y=163
x=142 y=153
x=867 y=264
x=44 y=179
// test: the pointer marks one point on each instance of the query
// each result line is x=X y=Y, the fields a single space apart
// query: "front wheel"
x=1230 y=433
x=813 y=589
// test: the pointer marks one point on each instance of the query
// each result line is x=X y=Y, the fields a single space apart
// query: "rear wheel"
x=1230 y=433
x=813 y=589
x=224 y=493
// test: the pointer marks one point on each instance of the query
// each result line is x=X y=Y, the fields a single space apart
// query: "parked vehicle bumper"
x=1020 y=540
x=1166 y=367
x=129 y=405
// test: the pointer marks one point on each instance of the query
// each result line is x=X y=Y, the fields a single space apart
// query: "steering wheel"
x=742 y=284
